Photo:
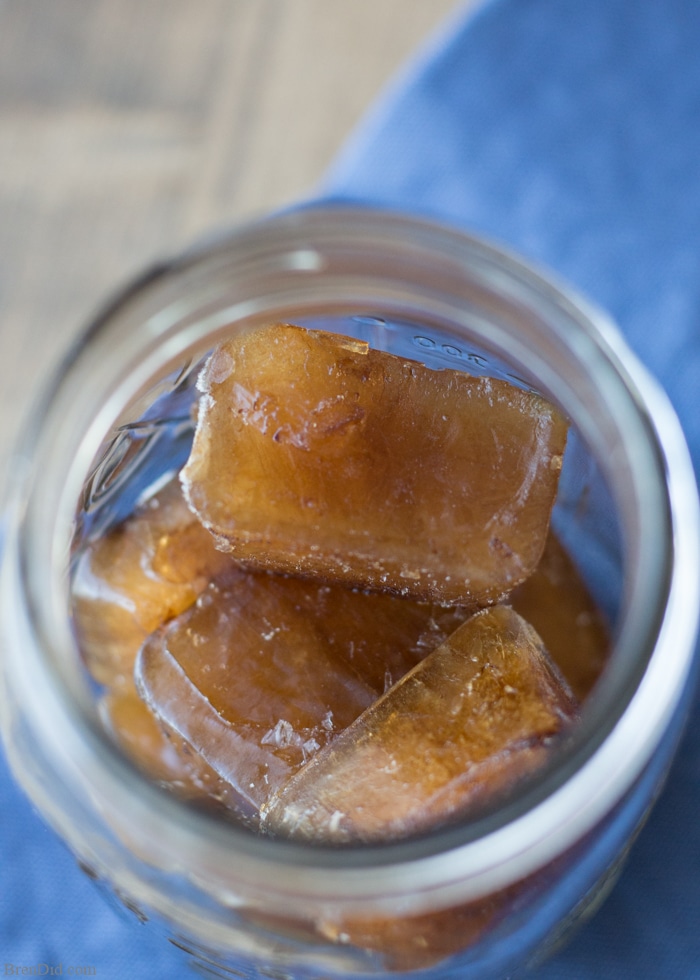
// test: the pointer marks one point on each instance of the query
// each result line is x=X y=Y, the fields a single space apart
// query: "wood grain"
x=128 y=128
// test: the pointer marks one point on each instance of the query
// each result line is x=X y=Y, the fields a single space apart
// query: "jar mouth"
x=316 y=262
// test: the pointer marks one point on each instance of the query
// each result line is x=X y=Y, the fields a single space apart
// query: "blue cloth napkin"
x=569 y=131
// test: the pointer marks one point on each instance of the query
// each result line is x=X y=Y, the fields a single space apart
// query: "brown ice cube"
x=404 y=942
x=473 y=717
x=265 y=670
x=163 y=755
x=317 y=455
x=557 y=603
x=136 y=577
x=415 y=942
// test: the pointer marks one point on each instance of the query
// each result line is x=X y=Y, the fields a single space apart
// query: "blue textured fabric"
x=568 y=130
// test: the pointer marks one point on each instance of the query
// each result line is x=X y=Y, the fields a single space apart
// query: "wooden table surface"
x=130 y=127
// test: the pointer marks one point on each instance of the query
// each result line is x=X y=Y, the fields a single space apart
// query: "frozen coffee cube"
x=144 y=572
x=317 y=455
x=163 y=755
x=263 y=671
x=557 y=603
x=471 y=719
x=409 y=943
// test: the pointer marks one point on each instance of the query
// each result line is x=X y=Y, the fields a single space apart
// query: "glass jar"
x=478 y=898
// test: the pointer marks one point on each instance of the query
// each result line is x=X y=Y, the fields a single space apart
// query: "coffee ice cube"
x=163 y=755
x=136 y=577
x=474 y=717
x=557 y=603
x=263 y=670
x=317 y=455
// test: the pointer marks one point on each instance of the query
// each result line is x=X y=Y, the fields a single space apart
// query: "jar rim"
x=620 y=728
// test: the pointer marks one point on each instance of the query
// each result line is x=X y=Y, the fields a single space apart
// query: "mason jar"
x=477 y=898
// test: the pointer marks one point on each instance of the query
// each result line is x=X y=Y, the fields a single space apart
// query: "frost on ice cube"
x=471 y=719
x=317 y=455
